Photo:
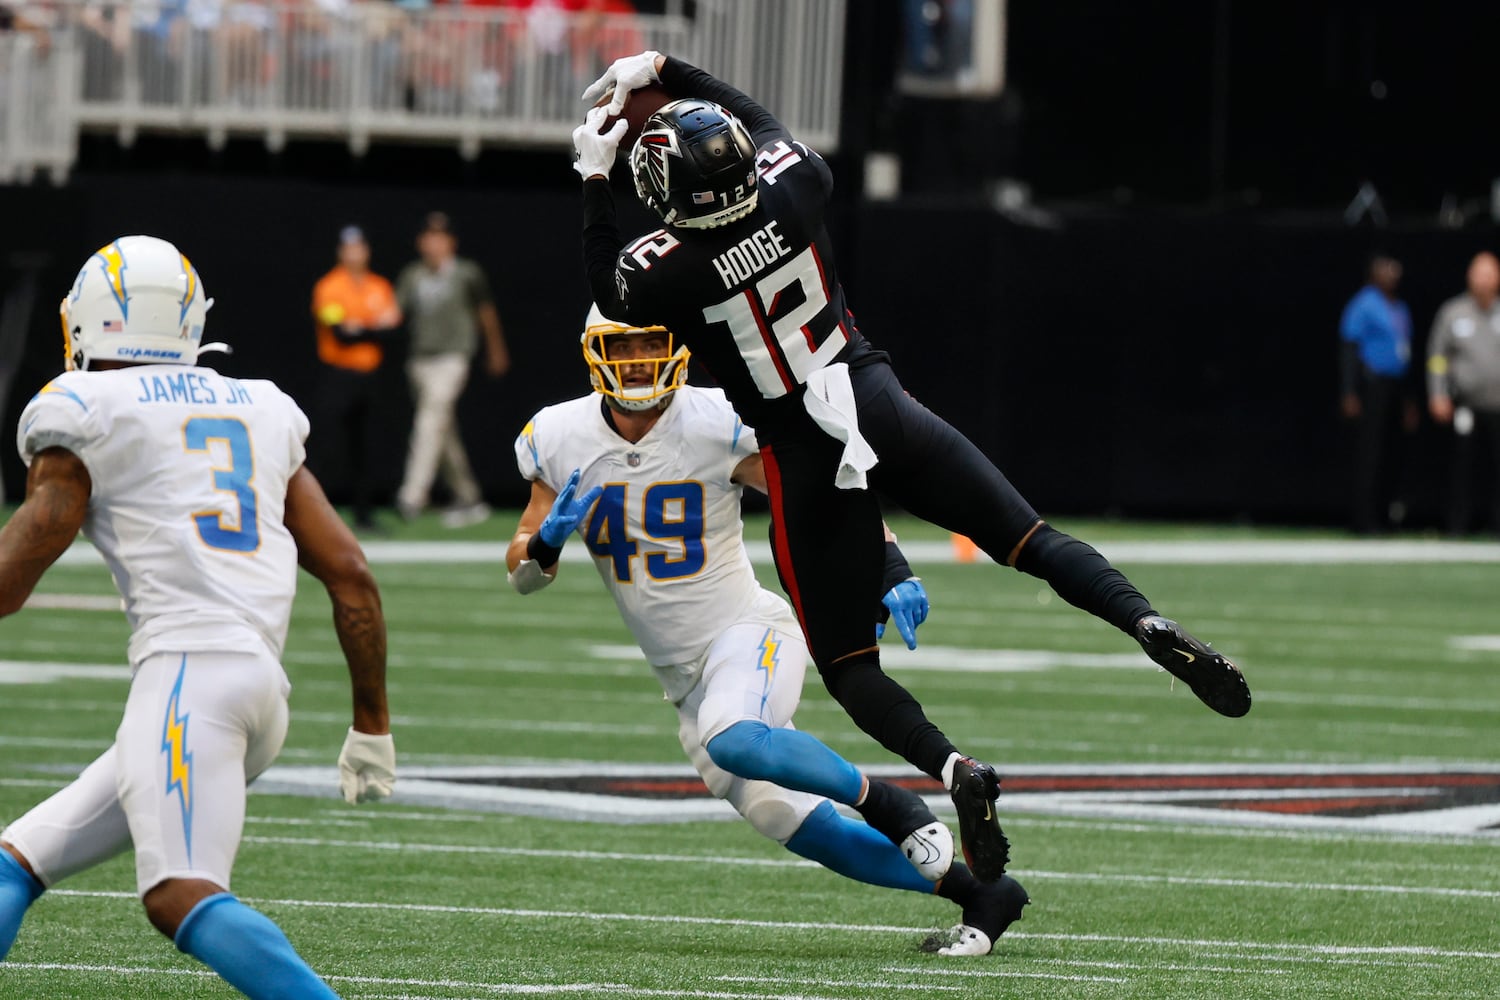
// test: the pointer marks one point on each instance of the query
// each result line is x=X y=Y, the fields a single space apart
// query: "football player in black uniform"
x=743 y=272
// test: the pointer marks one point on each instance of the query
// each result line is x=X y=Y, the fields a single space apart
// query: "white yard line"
x=492 y=989
x=847 y=984
x=921 y=987
x=683 y=859
x=1093 y=964
x=1223 y=946
x=1176 y=552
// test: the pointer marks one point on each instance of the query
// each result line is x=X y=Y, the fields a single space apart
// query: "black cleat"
x=994 y=908
x=1217 y=682
x=907 y=822
x=975 y=790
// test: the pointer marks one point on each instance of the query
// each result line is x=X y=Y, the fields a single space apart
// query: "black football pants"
x=830 y=554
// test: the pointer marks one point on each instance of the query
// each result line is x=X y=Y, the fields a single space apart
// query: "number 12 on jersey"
x=670 y=512
x=781 y=350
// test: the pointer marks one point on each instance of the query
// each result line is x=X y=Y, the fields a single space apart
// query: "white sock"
x=953 y=759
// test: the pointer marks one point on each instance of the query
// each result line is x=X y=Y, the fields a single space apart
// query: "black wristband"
x=897 y=568
x=546 y=556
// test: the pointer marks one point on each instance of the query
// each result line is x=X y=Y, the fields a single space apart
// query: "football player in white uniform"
x=191 y=486
x=649 y=471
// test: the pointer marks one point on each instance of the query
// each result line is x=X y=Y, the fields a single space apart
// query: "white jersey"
x=189 y=471
x=666 y=535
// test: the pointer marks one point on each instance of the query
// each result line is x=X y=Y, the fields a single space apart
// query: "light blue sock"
x=18 y=890
x=854 y=850
x=787 y=758
x=248 y=950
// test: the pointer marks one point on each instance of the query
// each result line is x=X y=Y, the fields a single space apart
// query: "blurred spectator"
x=1374 y=362
x=1463 y=384
x=604 y=31
x=593 y=33
x=354 y=309
x=447 y=302
x=27 y=19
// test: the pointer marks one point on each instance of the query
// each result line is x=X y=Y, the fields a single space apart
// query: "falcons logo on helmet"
x=655 y=147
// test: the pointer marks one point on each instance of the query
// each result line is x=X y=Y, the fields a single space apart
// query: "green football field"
x=1343 y=840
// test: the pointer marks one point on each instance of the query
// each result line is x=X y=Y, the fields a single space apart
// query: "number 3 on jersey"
x=236 y=479
x=670 y=512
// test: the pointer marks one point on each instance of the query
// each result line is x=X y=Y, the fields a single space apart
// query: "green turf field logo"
x=1426 y=799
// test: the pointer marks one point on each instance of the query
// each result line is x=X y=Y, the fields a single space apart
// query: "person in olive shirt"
x=447 y=304
x=1463 y=386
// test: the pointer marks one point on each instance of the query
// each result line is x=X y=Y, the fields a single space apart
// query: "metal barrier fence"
x=38 y=126
x=367 y=72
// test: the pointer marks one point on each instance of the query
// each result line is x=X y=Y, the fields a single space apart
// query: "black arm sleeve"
x=685 y=80
x=897 y=569
x=1348 y=367
x=601 y=244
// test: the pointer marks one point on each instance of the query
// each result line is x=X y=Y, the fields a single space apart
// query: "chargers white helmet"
x=138 y=300
x=668 y=368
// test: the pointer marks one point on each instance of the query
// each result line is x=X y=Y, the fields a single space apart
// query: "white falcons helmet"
x=137 y=300
x=668 y=370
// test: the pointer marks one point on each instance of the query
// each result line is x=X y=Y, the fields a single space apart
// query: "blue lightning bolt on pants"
x=767 y=683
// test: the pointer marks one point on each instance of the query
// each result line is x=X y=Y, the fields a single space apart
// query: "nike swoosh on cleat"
x=1186 y=655
x=989 y=813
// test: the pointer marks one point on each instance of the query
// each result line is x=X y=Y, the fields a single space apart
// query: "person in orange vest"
x=354 y=309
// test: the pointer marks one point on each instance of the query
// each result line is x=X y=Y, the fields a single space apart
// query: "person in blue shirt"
x=1375 y=361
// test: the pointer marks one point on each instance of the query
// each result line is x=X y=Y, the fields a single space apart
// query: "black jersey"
x=757 y=301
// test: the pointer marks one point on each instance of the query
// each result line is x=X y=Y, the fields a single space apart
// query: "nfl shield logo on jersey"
x=633 y=459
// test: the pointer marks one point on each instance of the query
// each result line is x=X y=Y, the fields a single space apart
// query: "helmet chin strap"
x=614 y=404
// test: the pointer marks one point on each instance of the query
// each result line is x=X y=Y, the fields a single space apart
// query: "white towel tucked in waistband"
x=830 y=402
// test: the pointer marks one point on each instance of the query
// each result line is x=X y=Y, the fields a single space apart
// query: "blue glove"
x=567 y=512
x=908 y=605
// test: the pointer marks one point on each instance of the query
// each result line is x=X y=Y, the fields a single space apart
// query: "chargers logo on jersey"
x=179 y=760
x=112 y=262
x=528 y=434
x=63 y=390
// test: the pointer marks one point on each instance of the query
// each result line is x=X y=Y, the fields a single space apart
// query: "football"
x=640 y=104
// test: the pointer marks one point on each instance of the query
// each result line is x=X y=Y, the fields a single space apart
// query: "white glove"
x=367 y=767
x=596 y=153
x=625 y=75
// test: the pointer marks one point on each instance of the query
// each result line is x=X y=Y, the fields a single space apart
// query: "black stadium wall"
x=1141 y=364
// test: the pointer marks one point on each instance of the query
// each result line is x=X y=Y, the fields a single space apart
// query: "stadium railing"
x=376 y=72
x=38 y=123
